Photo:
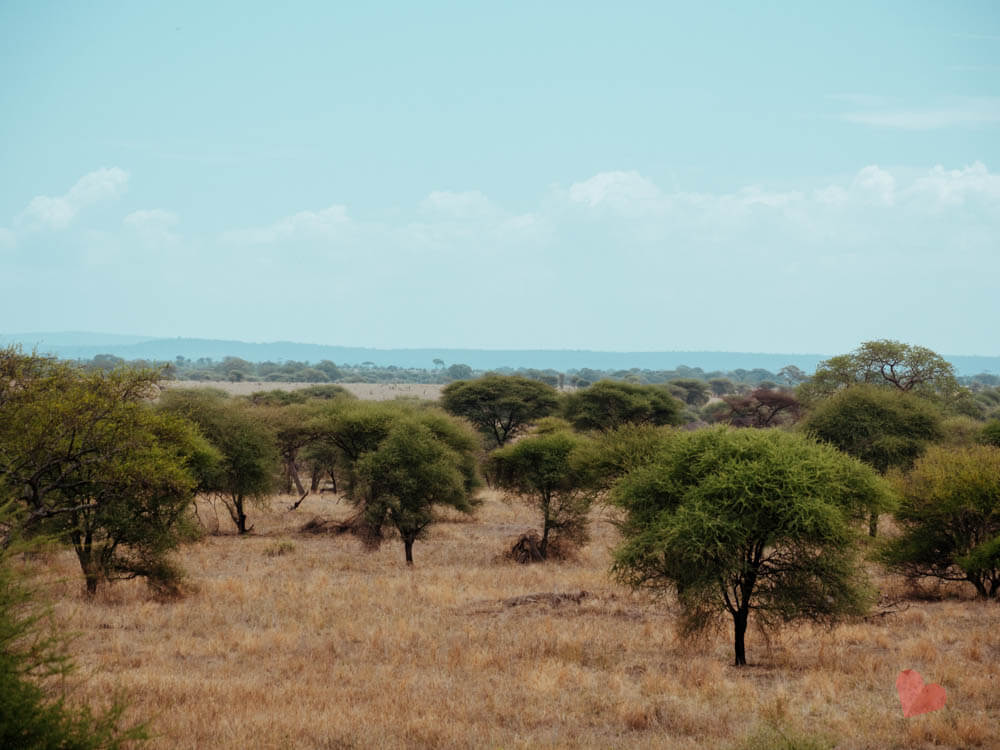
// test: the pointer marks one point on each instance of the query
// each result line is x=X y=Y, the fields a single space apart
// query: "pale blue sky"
x=622 y=176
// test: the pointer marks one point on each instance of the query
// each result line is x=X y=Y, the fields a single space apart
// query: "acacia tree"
x=403 y=480
x=499 y=406
x=950 y=515
x=885 y=428
x=401 y=461
x=249 y=462
x=748 y=521
x=608 y=404
x=93 y=465
x=887 y=363
x=761 y=408
x=556 y=474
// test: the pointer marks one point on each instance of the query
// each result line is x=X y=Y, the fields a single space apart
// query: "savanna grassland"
x=366 y=391
x=289 y=640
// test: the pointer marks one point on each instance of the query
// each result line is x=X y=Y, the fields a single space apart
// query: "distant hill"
x=70 y=345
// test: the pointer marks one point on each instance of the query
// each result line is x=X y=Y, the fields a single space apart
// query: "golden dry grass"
x=366 y=391
x=292 y=641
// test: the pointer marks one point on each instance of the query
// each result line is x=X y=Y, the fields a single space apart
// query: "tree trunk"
x=873 y=525
x=83 y=544
x=241 y=517
x=740 y=618
x=408 y=546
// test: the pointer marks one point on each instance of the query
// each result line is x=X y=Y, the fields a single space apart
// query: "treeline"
x=763 y=512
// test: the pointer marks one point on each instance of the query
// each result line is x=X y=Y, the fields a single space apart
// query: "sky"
x=627 y=176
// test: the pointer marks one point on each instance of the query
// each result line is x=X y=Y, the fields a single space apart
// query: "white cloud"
x=155 y=219
x=877 y=184
x=969 y=112
x=956 y=186
x=305 y=225
x=617 y=190
x=468 y=204
x=100 y=185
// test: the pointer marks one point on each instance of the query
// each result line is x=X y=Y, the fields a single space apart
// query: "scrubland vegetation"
x=820 y=533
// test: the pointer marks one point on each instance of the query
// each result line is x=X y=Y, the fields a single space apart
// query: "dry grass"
x=296 y=641
x=366 y=391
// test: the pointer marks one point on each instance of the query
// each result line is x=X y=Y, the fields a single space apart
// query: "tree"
x=741 y=521
x=885 y=363
x=555 y=473
x=609 y=404
x=950 y=516
x=721 y=386
x=249 y=458
x=32 y=657
x=409 y=474
x=93 y=465
x=500 y=406
x=885 y=428
x=761 y=408
x=792 y=375
x=691 y=391
x=990 y=434
x=459 y=372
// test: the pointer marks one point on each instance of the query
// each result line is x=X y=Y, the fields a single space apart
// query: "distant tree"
x=499 y=406
x=459 y=372
x=990 y=434
x=691 y=391
x=721 y=386
x=410 y=473
x=950 y=516
x=609 y=404
x=885 y=428
x=791 y=375
x=885 y=363
x=439 y=363
x=310 y=375
x=761 y=408
x=556 y=474
x=329 y=369
x=249 y=464
x=741 y=521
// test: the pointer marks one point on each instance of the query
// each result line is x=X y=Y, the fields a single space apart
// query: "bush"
x=950 y=514
x=32 y=657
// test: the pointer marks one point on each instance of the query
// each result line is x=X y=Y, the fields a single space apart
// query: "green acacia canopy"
x=885 y=428
x=748 y=521
x=609 y=404
x=950 y=516
x=500 y=406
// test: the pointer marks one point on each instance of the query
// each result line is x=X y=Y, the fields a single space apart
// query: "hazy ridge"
x=85 y=345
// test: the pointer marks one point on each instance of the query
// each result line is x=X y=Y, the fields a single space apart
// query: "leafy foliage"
x=93 y=465
x=556 y=473
x=741 y=521
x=609 y=404
x=500 y=406
x=249 y=459
x=884 y=428
x=761 y=408
x=400 y=461
x=950 y=514
x=890 y=364
x=990 y=434
x=411 y=472
x=33 y=658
